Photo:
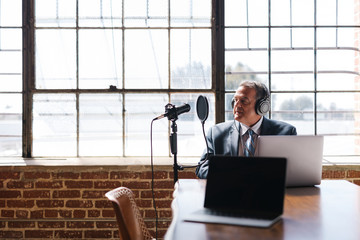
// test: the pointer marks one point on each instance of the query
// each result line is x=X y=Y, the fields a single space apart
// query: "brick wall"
x=68 y=202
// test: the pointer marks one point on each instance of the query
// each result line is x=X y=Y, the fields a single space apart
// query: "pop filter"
x=202 y=108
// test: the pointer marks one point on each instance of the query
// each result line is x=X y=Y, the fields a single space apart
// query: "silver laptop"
x=243 y=191
x=304 y=156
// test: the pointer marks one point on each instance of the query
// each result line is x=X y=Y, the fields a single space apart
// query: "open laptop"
x=304 y=156
x=243 y=191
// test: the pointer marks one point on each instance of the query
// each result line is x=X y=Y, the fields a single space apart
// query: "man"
x=251 y=101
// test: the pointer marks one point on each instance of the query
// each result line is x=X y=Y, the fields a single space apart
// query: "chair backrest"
x=130 y=222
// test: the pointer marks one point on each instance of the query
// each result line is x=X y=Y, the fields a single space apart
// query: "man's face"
x=244 y=106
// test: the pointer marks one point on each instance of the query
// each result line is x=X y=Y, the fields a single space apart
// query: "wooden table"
x=330 y=210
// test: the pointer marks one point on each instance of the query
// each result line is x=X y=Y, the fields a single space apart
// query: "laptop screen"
x=247 y=185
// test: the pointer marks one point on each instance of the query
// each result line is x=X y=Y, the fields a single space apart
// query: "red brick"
x=52 y=224
x=49 y=184
x=36 y=175
x=108 y=213
x=79 y=213
x=149 y=213
x=38 y=234
x=51 y=213
x=106 y=224
x=66 y=194
x=21 y=224
x=158 y=194
x=79 y=184
x=107 y=184
x=124 y=175
x=94 y=175
x=2 y=203
x=66 y=175
x=164 y=184
x=353 y=174
x=2 y=224
x=103 y=204
x=163 y=203
x=68 y=234
x=93 y=213
x=333 y=174
x=144 y=203
x=157 y=175
x=165 y=213
x=93 y=194
x=7 y=213
x=185 y=175
x=20 y=203
x=21 y=213
x=79 y=204
x=37 y=194
x=65 y=213
x=10 y=194
x=9 y=175
x=37 y=214
x=98 y=234
x=49 y=203
x=357 y=182
x=137 y=185
x=19 y=184
x=80 y=224
x=11 y=234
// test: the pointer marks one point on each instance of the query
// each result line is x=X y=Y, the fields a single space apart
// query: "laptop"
x=246 y=191
x=304 y=156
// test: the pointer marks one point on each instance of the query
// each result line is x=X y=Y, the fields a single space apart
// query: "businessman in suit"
x=250 y=103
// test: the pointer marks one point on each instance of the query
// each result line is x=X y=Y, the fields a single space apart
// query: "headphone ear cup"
x=262 y=106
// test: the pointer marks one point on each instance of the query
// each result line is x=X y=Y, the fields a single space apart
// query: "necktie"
x=249 y=150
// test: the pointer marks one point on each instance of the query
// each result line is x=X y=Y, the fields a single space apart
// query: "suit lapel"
x=233 y=140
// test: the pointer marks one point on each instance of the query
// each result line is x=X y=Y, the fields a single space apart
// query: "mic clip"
x=171 y=112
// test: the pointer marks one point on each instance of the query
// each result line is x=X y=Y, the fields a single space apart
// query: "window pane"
x=333 y=12
x=190 y=59
x=10 y=13
x=336 y=37
x=11 y=62
x=140 y=110
x=336 y=113
x=55 y=59
x=54 y=125
x=100 y=13
x=190 y=13
x=100 y=125
x=335 y=60
x=292 y=38
x=292 y=12
x=235 y=13
x=191 y=141
x=100 y=58
x=331 y=81
x=146 y=59
x=145 y=13
x=289 y=60
x=341 y=145
x=296 y=109
x=287 y=81
x=55 y=13
x=10 y=124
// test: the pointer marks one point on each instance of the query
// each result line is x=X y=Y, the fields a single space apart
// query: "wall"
x=68 y=202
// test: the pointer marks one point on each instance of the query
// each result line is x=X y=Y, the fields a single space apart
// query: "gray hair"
x=260 y=88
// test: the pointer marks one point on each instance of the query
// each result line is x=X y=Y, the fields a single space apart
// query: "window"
x=86 y=77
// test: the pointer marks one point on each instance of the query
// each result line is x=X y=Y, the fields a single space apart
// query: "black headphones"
x=262 y=105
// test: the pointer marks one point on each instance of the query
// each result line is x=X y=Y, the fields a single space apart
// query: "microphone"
x=172 y=112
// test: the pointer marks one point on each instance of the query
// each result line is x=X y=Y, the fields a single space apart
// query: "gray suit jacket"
x=223 y=139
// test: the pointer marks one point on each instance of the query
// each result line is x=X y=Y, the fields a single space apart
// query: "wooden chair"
x=130 y=222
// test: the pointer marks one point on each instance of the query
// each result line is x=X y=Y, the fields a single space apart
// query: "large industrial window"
x=86 y=77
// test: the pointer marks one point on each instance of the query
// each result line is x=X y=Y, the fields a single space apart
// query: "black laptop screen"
x=246 y=185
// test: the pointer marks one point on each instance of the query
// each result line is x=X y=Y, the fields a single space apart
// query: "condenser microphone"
x=172 y=112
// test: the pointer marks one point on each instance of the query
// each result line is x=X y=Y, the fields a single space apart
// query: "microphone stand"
x=173 y=146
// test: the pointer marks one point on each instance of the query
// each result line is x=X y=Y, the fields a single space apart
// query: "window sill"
x=97 y=161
